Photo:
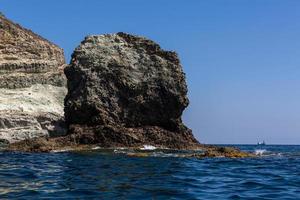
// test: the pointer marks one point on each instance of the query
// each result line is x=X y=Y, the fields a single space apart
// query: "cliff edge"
x=32 y=84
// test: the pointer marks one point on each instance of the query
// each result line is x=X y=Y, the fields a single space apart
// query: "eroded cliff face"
x=124 y=90
x=32 y=84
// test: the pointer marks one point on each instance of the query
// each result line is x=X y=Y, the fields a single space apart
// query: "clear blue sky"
x=241 y=57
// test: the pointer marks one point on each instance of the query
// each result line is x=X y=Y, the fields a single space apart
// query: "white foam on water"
x=120 y=151
x=162 y=154
x=148 y=147
x=60 y=151
x=95 y=148
x=260 y=152
x=280 y=154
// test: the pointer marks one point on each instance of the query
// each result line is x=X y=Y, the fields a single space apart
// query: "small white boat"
x=261 y=143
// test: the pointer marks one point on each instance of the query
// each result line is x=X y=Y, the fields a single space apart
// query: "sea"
x=162 y=174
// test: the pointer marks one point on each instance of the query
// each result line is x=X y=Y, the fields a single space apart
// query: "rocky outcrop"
x=124 y=90
x=32 y=84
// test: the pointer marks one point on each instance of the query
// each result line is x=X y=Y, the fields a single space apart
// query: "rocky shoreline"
x=119 y=91
x=69 y=144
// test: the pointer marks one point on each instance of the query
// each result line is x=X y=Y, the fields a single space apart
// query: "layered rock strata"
x=124 y=90
x=32 y=84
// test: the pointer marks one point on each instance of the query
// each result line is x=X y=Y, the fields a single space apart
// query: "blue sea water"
x=275 y=174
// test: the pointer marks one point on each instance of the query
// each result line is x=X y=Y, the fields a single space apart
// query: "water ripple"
x=99 y=175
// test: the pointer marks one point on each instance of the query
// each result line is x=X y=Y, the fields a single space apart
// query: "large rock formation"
x=32 y=84
x=124 y=90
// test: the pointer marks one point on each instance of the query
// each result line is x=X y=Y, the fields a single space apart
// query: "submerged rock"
x=124 y=90
x=32 y=84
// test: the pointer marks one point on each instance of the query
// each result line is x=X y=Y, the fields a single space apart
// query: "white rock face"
x=33 y=100
x=31 y=112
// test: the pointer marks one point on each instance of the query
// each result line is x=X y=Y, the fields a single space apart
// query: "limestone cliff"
x=32 y=84
x=124 y=90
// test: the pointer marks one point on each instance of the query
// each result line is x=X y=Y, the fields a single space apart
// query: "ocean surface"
x=99 y=174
